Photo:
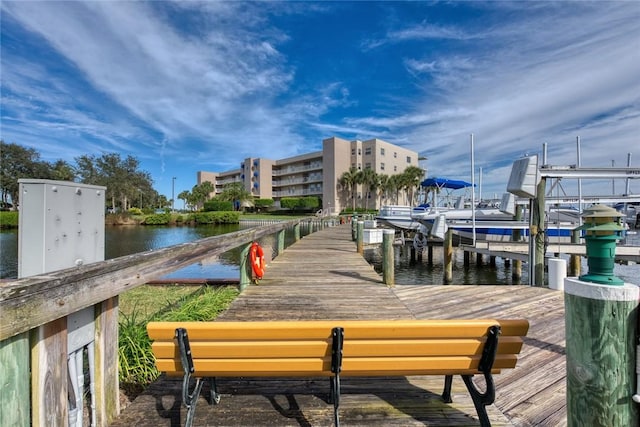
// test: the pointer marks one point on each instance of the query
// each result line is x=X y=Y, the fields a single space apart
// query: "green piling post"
x=296 y=232
x=280 y=237
x=601 y=324
x=388 y=258
x=245 y=267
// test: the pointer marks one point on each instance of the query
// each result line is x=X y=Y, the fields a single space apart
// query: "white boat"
x=631 y=212
x=400 y=217
x=498 y=224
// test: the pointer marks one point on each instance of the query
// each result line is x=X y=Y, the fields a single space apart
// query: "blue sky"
x=189 y=86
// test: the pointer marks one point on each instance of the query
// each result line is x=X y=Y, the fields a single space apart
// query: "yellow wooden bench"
x=335 y=348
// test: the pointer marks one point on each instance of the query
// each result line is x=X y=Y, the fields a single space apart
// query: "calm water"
x=408 y=272
x=120 y=241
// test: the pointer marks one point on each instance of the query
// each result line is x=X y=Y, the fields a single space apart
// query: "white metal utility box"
x=61 y=225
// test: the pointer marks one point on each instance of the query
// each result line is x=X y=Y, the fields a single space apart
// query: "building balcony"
x=291 y=170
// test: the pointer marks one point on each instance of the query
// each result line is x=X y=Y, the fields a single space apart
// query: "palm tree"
x=348 y=182
x=413 y=177
x=235 y=192
x=383 y=186
x=393 y=187
x=370 y=182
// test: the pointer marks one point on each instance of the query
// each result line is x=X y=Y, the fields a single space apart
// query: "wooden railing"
x=36 y=309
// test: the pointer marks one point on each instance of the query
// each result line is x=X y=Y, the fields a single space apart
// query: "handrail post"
x=360 y=237
x=245 y=275
x=296 y=232
x=280 y=238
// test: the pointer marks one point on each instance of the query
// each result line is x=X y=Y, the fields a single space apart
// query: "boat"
x=498 y=223
x=401 y=217
x=631 y=212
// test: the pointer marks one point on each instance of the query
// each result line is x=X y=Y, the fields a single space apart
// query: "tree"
x=185 y=197
x=394 y=186
x=122 y=178
x=348 y=182
x=236 y=193
x=17 y=162
x=62 y=171
x=370 y=183
x=413 y=175
x=201 y=193
x=359 y=180
x=383 y=186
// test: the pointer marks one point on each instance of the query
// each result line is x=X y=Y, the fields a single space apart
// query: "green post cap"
x=603 y=228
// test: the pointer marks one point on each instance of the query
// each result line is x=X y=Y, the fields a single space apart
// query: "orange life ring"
x=256 y=256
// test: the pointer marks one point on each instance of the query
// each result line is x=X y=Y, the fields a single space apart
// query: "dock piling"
x=388 y=258
x=448 y=256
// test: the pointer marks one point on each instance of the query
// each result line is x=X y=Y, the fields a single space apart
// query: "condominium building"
x=315 y=174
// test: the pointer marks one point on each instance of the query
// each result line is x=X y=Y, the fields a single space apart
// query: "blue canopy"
x=453 y=184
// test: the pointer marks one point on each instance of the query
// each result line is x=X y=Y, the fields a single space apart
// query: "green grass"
x=160 y=303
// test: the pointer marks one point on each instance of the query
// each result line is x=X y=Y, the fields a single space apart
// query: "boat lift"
x=528 y=181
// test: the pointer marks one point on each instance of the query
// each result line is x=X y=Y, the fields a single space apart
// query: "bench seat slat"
x=354 y=329
x=390 y=347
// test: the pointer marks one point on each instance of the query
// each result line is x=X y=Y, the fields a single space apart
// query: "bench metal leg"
x=481 y=400
x=190 y=400
x=337 y=335
x=214 y=396
x=446 y=393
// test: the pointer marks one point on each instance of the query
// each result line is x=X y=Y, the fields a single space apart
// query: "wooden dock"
x=323 y=277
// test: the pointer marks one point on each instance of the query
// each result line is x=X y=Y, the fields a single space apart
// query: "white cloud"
x=551 y=74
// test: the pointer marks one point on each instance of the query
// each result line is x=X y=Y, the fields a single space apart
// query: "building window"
x=367 y=165
x=367 y=151
x=353 y=151
x=359 y=151
x=381 y=166
x=382 y=151
x=395 y=155
x=359 y=166
x=408 y=159
x=395 y=169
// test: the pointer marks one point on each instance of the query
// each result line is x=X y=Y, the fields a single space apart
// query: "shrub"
x=9 y=219
x=217 y=205
x=135 y=211
x=263 y=203
x=300 y=203
x=227 y=217
x=157 y=219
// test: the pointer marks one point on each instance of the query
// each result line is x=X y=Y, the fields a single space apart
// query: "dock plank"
x=323 y=277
